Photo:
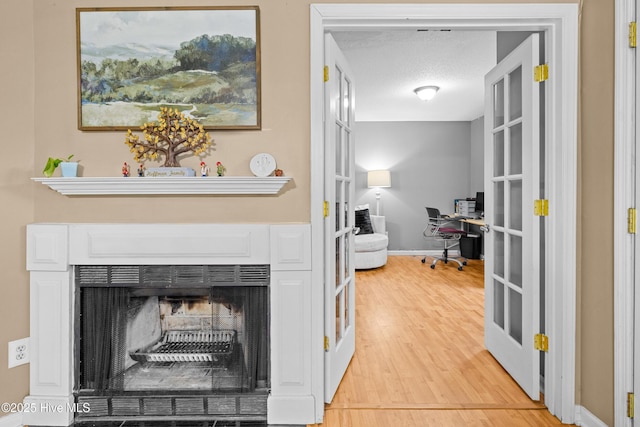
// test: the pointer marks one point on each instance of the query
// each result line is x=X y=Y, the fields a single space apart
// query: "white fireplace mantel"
x=53 y=250
x=211 y=185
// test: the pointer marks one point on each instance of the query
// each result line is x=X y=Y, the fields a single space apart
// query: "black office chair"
x=439 y=229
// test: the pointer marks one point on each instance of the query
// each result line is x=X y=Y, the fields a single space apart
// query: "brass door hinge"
x=541 y=342
x=541 y=73
x=541 y=207
x=631 y=220
x=632 y=35
x=326 y=73
x=325 y=209
x=631 y=405
x=326 y=343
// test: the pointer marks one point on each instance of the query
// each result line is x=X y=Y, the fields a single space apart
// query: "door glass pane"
x=338 y=317
x=348 y=140
x=346 y=99
x=498 y=103
x=339 y=205
x=515 y=205
x=498 y=253
x=498 y=303
x=515 y=315
x=515 y=149
x=346 y=214
x=515 y=93
x=339 y=150
x=498 y=156
x=347 y=306
x=338 y=260
x=338 y=100
x=498 y=205
x=348 y=185
x=515 y=260
x=346 y=257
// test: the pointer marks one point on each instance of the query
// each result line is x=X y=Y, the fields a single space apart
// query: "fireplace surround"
x=55 y=252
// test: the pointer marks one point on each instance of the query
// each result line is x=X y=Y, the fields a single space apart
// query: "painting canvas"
x=204 y=62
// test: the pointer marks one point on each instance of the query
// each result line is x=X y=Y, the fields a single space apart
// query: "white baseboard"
x=11 y=420
x=586 y=419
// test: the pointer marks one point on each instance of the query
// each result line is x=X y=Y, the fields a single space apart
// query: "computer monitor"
x=480 y=201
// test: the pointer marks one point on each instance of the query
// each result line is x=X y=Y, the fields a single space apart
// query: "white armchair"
x=371 y=249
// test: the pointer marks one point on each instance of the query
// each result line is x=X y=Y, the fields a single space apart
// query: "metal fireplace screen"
x=195 y=334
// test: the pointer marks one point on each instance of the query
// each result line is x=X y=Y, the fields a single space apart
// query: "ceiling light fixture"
x=426 y=93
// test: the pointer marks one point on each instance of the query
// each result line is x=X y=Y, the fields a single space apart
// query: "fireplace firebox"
x=172 y=342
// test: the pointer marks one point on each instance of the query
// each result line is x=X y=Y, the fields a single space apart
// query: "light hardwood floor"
x=420 y=358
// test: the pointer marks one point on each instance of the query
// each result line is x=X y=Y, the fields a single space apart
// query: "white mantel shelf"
x=230 y=185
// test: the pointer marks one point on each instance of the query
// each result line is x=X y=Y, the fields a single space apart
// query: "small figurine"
x=125 y=169
x=204 y=169
x=278 y=172
x=220 y=168
x=141 y=170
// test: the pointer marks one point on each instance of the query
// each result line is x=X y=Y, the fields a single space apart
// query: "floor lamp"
x=378 y=179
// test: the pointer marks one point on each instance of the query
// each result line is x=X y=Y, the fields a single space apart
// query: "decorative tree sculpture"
x=172 y=135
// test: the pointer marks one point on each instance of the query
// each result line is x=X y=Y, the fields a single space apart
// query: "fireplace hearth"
x=173 y=424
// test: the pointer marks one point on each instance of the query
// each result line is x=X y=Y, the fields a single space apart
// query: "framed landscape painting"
x=203 y=61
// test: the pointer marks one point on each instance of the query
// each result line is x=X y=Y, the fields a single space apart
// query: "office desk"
x=479 y=222
x=466 y=224
x=472 y=221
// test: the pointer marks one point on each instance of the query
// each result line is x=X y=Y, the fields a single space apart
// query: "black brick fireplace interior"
x=172 y=345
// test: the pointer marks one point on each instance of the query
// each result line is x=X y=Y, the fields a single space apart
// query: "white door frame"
x=560 y=23
x=624 y=198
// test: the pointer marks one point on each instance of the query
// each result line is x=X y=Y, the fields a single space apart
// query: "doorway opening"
x=560 y=24
x=431 y=151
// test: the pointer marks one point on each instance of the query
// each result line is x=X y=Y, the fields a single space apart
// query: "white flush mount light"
x=426 y=93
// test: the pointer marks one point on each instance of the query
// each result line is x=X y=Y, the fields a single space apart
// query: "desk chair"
x=439 y=229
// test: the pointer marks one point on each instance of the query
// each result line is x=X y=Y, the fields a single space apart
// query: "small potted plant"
x=67 y=167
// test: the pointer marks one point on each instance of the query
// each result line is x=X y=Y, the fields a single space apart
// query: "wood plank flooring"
x=420 y=358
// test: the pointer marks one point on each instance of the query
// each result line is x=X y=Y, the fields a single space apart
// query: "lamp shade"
x=380 y=178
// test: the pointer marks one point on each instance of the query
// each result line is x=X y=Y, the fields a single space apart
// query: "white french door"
x=339 y=273
x=512 y=245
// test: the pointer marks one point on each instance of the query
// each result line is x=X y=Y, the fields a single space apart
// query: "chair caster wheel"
x=433 y=267
x=424 y=260
x=460 y=268
x=464 y=263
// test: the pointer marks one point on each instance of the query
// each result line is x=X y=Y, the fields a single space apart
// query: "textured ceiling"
x=389 y=65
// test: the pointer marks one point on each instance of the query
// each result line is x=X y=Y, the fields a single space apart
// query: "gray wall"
x=476 y=167
x=431 y=164
x=506 y=41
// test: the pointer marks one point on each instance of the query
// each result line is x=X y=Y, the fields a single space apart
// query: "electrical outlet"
x=18 y=352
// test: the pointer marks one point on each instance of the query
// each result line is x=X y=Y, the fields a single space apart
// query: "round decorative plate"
x=262 y=164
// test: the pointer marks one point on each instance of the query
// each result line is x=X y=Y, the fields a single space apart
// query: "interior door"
x=340 y=342
x=512 y=245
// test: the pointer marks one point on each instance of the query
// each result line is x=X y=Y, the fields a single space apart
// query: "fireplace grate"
x=214 y=346
x=168 y=275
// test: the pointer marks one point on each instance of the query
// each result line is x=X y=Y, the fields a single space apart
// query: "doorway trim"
x=560 y=23
x=625 y=260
